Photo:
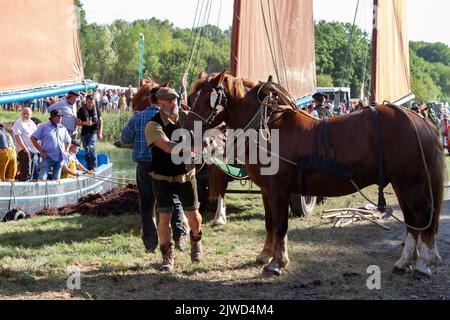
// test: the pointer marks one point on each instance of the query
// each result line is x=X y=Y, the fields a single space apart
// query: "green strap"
x=236 y=173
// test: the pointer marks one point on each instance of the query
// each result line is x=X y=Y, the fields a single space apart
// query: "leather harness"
x=325 y=160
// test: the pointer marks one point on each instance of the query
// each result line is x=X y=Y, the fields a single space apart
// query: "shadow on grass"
x=75 y=229
x=326 y=263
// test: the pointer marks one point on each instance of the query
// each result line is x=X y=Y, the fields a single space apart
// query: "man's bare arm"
x=165 y=144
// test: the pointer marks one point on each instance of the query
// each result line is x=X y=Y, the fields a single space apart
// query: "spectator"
x=122 y=101
x=69 y=169
x=55 y=141
x=114 y=100
x=97 y=97
x=67 y=106
x=129 y=96
x=8 y=159
x=104 y=102
x=27 y=153
x=444 y=129
x=89 y=117
x=311 y=111
x=320 y=106
x=134 y=134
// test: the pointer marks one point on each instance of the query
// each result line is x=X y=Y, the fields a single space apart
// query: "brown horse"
x=140 y=99
x=355 y=144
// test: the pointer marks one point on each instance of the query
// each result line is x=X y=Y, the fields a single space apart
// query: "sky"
x=427 y=19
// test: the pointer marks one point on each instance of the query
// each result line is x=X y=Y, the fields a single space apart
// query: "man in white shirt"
x=27 y=153
x=67 y=106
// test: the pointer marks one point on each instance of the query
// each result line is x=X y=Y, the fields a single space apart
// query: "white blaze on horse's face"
x=213 y=99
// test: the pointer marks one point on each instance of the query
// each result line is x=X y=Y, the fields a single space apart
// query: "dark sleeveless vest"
x=323 y=113
x=161 y=161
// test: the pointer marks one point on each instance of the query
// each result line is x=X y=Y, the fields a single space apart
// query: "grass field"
x=326 y=262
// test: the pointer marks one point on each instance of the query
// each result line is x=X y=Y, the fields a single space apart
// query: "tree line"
x=111 y=55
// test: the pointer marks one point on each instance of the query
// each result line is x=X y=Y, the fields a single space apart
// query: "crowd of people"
x=108 y=100
x=38 y=151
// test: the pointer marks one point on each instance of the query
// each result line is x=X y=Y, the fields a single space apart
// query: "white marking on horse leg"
x=280 y=259
x=427 y=257
x=284 y=252
x=408 y=255
x=267 y=252
x=220 y=218
x=437 y=257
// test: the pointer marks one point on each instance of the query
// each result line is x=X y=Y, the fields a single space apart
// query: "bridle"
x=218 y=102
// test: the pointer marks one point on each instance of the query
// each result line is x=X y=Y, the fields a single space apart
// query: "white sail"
x=391 y=80
x=275 y=37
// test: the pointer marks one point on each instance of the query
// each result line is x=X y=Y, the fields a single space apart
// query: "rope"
x=47 y=204
x=13 y=197
x=199 y=116
x=79 y=186
x=425 y=166
x=202 y=37
x=197 y=38
x=285 y=97
x=116 y=178
x=347 y=54
x=278 y=87
x=270 y=44
x=109 y=180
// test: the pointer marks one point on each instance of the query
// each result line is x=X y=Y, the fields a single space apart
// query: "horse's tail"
x=438 y=178
x=436 y=168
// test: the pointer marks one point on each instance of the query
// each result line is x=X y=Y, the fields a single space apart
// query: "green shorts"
x=187 y=193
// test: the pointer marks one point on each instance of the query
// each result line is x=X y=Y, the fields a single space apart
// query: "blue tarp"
x=45 y=92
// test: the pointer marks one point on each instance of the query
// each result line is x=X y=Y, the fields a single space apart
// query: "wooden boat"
x=40 y=71
x=31 y=197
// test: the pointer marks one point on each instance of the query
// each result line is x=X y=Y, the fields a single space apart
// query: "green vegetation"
x=113 y=122
x=11 y=116
x=110 y=55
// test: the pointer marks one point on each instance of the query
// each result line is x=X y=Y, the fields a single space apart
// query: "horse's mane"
x=307 y=114
x=139 y=102
x=234 y=87
x=237 y=88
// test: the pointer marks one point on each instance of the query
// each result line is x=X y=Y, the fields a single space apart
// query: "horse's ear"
x=220 y=79
x=166 y=84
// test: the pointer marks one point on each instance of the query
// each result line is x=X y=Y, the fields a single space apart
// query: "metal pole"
x=141 y=56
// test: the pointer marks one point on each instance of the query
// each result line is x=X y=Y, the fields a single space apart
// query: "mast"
x=235 y=37
x=373 y=82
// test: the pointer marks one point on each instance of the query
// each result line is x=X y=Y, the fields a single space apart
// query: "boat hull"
x=34 y=196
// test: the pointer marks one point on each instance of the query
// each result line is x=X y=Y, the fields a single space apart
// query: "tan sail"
x=275 y=37
x=44 y=49
x=391 y=78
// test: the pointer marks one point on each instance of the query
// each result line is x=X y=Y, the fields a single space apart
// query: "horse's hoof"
x=401 y=270
x=218 y=223
x=263 y=260
x=421 y=270
x=436 y=260
x=418 y=274
x=271 y=271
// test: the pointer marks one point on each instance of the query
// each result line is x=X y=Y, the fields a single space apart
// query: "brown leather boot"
x=196 y=247
x=167 y=255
